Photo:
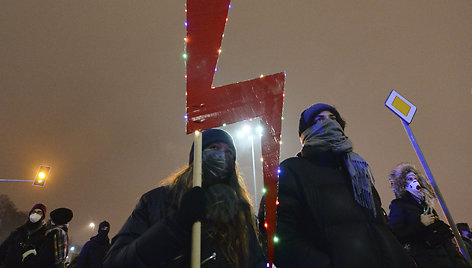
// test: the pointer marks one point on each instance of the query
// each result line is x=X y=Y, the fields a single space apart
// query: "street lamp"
x=249 y=133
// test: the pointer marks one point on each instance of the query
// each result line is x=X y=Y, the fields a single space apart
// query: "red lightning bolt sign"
x=209 y=107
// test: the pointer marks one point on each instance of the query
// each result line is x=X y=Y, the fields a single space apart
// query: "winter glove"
x=192 y=207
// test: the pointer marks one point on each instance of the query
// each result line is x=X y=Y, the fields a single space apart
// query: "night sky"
x=96 y=89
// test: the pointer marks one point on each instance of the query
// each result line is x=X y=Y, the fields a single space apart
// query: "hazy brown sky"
x=96 y=89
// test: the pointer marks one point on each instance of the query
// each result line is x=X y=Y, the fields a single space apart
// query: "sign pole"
x=441 y=200
x=197 y=181
x=209 y=106
x=406 y=110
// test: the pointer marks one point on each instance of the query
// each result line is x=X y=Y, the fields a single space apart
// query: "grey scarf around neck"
x=328 y=136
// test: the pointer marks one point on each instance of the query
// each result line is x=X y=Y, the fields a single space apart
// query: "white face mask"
x=34 y=217
x=414 y=187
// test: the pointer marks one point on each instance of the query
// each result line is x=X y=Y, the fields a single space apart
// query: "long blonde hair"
x=232 y=237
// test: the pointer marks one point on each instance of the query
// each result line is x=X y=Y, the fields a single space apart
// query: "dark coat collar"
x=408 y=197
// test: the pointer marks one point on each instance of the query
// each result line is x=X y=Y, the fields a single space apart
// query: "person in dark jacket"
x=58 y=235
x=466 y=235
x=53 y=251
x=329 y=213
x=416 y=223
x=158 y=232
x=25 y=240
x=93 y=252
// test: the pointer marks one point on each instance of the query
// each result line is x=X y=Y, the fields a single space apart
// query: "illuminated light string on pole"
x=209 y=106
x=186 y=41
x=266 y=224
x=187 y=38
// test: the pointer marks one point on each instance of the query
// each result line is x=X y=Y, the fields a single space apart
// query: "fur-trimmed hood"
x=398 y=180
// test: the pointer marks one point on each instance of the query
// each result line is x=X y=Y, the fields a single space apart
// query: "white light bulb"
x=246 y=128
x=259 y=129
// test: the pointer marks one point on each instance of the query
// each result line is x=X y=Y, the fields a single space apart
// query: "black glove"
x=192 y=207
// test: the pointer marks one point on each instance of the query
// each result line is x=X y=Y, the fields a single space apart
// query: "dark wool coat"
x=404 y=218
x=93 y=252
x=18 y=242
x=152 y=238
x=320 y=224
x=53 y=251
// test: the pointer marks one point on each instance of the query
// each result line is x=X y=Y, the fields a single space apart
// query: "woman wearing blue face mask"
x=158 y=232
x=416 y=223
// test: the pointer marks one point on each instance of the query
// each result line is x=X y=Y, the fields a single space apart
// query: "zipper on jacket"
x=212 y=257
x=178 y=257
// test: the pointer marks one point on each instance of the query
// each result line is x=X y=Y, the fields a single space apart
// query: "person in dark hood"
x=53 y=251
x=158 y=232
x=25 y=240
x=329 y=213
x=466 y=235
x=416 y=223
x=93 y=252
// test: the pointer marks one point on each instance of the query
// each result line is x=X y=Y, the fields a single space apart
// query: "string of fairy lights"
x=185 y=57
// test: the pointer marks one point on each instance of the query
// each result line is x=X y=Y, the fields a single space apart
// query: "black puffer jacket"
x=18 y=242
x=320 y=224
x=430 y=246
x=151 y=238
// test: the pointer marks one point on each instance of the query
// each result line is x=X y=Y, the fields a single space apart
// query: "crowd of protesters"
x=38 y=243
x=329 y=214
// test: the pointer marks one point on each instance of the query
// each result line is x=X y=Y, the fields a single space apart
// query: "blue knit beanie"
x=307 y=118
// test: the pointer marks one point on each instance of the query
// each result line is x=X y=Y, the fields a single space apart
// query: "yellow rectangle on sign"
x=402 y=106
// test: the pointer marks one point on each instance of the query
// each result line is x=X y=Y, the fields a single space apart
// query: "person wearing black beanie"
x=329 y=213
x=158 y=232
x=214 y=135
x=307 y=118
x=25 y=240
